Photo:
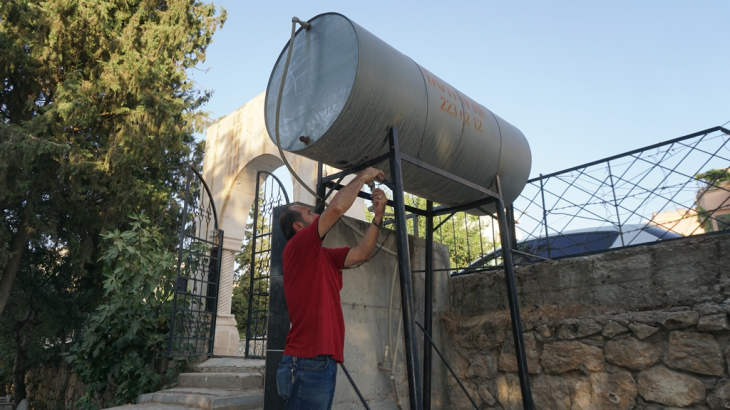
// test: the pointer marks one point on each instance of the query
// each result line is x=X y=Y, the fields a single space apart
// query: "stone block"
x=544 y=331
x=509 y=394
x=561 y=357
x=713 y=323
x=631 y=353
x=612 y=329
x=613 y=391
x=694 y=352
x=679 y=320
x=642 y=331
x=508 y=358
x=558 y=392
x=719 y=399
x=669 y=388
x=486 y=395
x=482 y=365
x=576 y=328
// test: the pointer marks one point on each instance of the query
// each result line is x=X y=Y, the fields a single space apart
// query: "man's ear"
x=298 y=226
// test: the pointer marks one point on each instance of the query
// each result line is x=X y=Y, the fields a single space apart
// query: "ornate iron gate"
x=192 y=327
x=270 y=193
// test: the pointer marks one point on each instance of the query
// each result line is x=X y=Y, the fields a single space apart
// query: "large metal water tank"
x=345 y=87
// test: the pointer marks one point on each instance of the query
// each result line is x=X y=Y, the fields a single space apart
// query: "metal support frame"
x=420 y=394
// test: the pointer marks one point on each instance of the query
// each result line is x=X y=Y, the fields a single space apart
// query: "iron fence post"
x=253 y=262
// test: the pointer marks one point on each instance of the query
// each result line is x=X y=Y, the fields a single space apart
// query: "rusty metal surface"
x=345 y=87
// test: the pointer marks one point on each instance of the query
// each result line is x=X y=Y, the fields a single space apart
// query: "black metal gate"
x=270 y=193
x=192 y=326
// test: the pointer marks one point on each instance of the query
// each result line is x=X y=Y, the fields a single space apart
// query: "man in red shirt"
x=312 y=283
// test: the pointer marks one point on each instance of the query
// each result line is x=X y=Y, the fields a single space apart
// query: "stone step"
x=239 y=381
x=229 y=365
x=207 y=399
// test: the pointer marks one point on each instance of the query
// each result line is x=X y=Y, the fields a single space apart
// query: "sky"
x=582 y=80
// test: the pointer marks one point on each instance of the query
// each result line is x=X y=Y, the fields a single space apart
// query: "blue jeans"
x=307 y=383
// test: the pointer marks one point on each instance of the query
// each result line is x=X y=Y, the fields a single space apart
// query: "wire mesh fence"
x=669 y=190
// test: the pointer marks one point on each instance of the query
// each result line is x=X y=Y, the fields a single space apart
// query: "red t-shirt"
x=312 y=284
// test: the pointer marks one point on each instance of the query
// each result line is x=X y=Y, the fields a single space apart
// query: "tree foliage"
x=125 y=343
x=97 y=115
x=467 y=236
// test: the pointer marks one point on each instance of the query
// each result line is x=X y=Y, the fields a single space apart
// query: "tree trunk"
x=20 y=243
x=22 y=340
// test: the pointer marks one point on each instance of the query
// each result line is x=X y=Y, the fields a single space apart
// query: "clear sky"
x=581 y=79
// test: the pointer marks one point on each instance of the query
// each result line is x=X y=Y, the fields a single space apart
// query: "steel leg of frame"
x=404 y=269
x=514 y=307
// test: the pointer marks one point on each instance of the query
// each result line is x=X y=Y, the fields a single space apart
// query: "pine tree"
x=97 y=115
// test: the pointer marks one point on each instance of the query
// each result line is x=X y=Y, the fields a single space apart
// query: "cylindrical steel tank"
x=345 y=87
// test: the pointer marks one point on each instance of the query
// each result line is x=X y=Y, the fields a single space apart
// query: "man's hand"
x=369 y=174
x=379 y=202
x=344 y=198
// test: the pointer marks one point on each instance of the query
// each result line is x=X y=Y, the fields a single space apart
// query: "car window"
x=661 y=233
x=561 y=245
x=598 y=241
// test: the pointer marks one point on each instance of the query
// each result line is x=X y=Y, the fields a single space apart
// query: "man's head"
x=294 y=218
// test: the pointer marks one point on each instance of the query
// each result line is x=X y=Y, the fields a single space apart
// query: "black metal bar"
x=514 y=308
x=319 y=208
x=333 y=190
x=428 y=308
x=252 y=270
x=207 y=190
x=441 y=172
x=448 y=366
x=366 y=195
x=444 y=220
x=219 y=262
x=625 y=154
x=404 y=270
x=512 y=224
x=354 y=386
x=356 y=168
x=442 y=210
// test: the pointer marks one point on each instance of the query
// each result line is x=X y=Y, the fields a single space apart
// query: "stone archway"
x=236 y=148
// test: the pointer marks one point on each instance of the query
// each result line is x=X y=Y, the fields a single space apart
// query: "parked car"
x=576 y=242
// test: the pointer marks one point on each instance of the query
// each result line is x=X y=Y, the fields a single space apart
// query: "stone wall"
x=641 y=328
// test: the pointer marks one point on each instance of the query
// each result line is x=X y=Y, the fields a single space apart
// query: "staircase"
x=223 y=383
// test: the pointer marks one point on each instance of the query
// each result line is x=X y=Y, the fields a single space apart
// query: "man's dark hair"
x=287 y=218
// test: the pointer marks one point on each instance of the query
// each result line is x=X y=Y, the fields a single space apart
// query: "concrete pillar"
x=226 y=332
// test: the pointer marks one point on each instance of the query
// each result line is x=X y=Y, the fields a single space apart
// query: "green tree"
x=467 y=236
x=97 y=115
x=125 y=342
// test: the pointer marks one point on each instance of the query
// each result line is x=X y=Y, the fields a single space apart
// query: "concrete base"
x=227 y=339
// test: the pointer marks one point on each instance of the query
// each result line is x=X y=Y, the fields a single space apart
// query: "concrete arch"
x=236 y=148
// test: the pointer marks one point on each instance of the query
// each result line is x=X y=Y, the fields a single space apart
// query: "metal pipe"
x=321 y=188
x=428 y=308
x=448 y=367
x=514 y=307
x=354 y=386
x=404 y=269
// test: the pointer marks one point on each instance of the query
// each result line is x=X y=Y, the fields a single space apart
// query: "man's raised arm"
x=344 y=199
